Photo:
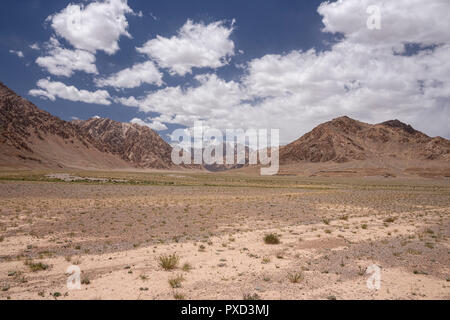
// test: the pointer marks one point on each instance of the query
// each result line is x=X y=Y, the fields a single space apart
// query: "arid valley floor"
x=116 y=226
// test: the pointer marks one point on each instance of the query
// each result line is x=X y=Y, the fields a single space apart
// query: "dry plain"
x=117 y=226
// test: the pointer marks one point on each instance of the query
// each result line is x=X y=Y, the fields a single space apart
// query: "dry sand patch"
x=116 y=233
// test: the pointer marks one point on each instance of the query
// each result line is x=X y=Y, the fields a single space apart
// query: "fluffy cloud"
x=35 y=46
x=212 y=98
x=195 y=46
x=155 y=125
x=356 y=80
x=17 y=53
x=52 y=90
x=96 y=26
x=133 y=77
x=64 y=62
x=402 y=21
x=366 y=75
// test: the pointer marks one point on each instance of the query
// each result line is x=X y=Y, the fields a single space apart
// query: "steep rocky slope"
x=32 y=138
x=344 y=139
x=138 y=145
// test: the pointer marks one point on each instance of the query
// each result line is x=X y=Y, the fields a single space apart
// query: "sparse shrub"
x=414 y=252
x=13 y=273
x=420 y=272
x=272 y=238
x=36 y=266
x=361 y=271
x=179 y=296
x=187 y=267
x=169 y=262
x=85 y=280
x=176 y=282
x=266 y=260
x=429 y=245
x=248 y=296
x=364 y=226
x=389 y=220
x=295 y=277
x=143 y=277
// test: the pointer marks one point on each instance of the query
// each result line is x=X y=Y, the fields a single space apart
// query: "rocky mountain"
x=138 y=145
x=32 y=138
x=344 y=139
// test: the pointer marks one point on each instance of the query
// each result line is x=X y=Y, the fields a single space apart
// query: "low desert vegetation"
x=186 y=267
x=248 y=296
x=169 y=262
x=85 y=280
x=179 y=296
x=175 y=282
x=36 y=266
x=271 y=238
x=144 y=277
x=295 y=277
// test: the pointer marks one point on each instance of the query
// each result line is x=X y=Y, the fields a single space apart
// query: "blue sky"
x=269 y=77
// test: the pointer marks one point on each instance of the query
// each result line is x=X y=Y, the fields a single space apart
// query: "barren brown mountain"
x=344 y=139
x=139 y=145
x=32 y=138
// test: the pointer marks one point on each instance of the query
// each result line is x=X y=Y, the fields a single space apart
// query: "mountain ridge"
x=344 y=139
x=33 y=138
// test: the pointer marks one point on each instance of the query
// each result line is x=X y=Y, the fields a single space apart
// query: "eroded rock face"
x=344 y=139
x=20 y=121
x=139 y=145
x=26 y=131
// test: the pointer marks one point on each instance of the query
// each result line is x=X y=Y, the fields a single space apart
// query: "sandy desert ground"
x=116 y=227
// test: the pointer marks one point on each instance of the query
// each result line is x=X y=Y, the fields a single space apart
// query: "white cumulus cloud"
x=155 y=125
x=197 y=45
x=133 y=77
x=64 y=62
x=212 y=98
x=93 y=27
x=52 y=90
x=35 y=46
x=402 y=21
x=17 y=53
